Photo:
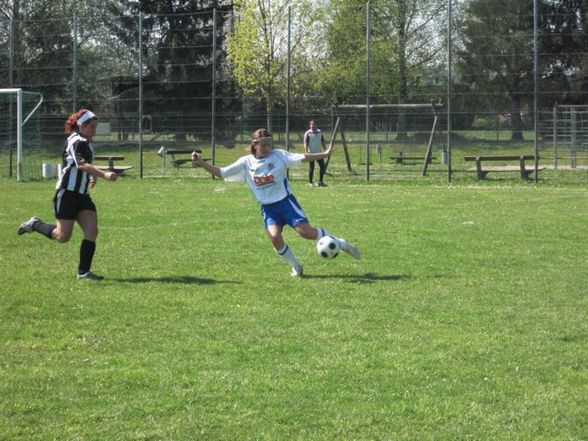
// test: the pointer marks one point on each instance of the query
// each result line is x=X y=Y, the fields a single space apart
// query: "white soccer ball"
x=328 y=247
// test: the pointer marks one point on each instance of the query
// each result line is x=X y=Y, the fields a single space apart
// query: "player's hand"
x=110 y=176
x=92 y=182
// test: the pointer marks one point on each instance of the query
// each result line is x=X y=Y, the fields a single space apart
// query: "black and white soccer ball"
x=328 y=247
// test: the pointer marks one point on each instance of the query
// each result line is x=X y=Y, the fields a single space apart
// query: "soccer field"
x=465 y=319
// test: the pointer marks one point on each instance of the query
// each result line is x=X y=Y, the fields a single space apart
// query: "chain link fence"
x=420 y=94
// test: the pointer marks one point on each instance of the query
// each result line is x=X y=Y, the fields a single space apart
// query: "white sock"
x=322 y=233
x=288 y=256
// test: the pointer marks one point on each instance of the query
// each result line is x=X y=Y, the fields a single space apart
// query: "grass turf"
x=466 y=318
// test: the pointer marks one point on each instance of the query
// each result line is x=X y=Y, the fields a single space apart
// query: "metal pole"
x=367 y=90
x=212 y=134
x=536 y=91
x=289 y=71
x=19 y=153
x=140 y=46
x=74 y=75
x=449 y=83
x=555 y=136
x=10 y=101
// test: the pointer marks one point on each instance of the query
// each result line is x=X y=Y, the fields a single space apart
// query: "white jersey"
x=266 y=177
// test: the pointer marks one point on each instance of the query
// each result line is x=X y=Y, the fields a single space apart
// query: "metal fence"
x=162 y=84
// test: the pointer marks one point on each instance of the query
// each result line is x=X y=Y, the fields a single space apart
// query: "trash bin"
x=49 y=171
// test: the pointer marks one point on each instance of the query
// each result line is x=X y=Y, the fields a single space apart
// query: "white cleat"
x=297 y=271
x=27 y=227
x=350 y=249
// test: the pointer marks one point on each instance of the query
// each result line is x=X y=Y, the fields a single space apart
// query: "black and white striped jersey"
x=77 y=151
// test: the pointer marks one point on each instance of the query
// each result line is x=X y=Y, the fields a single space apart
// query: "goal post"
x=19 y=120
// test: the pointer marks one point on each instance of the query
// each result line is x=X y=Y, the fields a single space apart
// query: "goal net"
x=20 y=134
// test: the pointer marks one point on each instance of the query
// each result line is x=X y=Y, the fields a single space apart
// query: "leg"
x=310 y=171
x=88 y=221
x=275 y=234
x=323 y=170
x=307 y=232
x=63 y=230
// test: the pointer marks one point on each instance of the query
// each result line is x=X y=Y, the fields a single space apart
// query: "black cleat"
x=89 y=275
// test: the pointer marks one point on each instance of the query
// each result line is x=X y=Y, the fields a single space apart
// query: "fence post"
x=367 y=89
x=213 y=128
x=449 y=83
x=288 y=73
x=535 y=92
x=140 y=46
x=10 y=105
x=74 y=75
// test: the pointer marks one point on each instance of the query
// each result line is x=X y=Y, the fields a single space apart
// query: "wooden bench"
x=521 y=168
x=177 y=162
x=401 y=157
x=118 y=169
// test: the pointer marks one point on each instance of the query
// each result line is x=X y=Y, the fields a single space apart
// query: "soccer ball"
x=328 y=247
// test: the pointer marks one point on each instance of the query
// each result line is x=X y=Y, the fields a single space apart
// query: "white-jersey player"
x=265 y=172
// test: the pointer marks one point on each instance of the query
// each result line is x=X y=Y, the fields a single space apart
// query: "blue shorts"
x=284 y=212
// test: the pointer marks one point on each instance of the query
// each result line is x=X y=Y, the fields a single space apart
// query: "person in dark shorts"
x=72 y=203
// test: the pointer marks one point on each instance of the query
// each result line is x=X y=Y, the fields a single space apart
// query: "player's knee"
x=61 y=236
x=91 y=234
x=307 y=232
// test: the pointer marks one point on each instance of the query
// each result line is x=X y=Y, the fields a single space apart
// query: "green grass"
x=466 y=319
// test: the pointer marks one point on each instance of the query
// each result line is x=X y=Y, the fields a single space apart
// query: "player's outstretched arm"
x=96 y=172
x=213 y=170
x=308 y=157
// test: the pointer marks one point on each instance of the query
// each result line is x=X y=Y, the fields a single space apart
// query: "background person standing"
x=314 y=142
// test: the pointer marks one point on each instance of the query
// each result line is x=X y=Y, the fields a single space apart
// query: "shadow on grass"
x=359 y=278
x=184 y=280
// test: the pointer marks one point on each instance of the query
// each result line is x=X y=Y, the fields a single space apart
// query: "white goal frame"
x=20 y=123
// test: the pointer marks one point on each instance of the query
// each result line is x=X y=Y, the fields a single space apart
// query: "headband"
x=263 y=138
x=86 y=117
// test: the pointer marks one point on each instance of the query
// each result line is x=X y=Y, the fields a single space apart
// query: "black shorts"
x=67 y=204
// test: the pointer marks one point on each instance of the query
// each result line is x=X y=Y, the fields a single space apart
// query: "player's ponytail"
x=81 y=117
x=258 y=134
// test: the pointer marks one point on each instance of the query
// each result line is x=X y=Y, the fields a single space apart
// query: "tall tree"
x=257 y=48
x=564 y=51
x=496 y=58
x=406 y=37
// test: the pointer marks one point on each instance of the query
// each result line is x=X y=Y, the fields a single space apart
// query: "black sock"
x=86 y=255
x=44 y=229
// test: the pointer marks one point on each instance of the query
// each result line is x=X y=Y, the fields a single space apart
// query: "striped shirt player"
x=78 y=150
x=72 y=203
x=265 y=173
x=314 y=142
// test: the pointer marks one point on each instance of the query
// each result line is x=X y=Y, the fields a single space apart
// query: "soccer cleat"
x=297 y=271
x=322 y=184
x=310 y=184
x=27 y=227
x=89 y=275
x=350 y=249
